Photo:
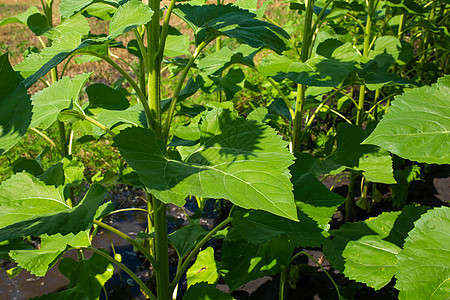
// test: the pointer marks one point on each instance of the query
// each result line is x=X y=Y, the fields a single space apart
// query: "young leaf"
x=205 y=291
x=243 y=161
x=204 y=269
x=417 y=125
x=210 y=21
x=90 y=274
x=37 y=214
x=185 y=238
x=49 y=102
x=129 y=16
x=15 y=115
x=243 y=261
x=423 y=269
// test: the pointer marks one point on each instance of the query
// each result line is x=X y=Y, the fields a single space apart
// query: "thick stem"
x=161 y=252
x=284 y=278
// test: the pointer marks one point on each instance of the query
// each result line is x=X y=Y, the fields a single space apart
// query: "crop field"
x=224 y=149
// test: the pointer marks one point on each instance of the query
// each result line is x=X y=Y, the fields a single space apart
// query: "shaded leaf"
x=205 y=291
x=243 y=261
x=417 y=125
x=185 y=238
x=20 y=18
x=90 y=274
x=211 y=21
x=103 y=96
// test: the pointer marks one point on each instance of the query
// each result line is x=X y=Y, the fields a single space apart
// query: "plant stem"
x=130 y=240
x=142 y=285
x=194 y=252
x=161 y=246
x=125 y=210
x=96 y=123
x=46 y=137
x=180 y=83
x=284 y=278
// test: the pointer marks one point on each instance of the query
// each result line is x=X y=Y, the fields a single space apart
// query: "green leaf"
x=134 y=115
x=374 y=162
x=371 y=260
x=90 y=274
x=176 y=45
x=252 y=6
x=417 y=125
x=205 y=291
x=68 y=294
x=14 y=244
x=316 y=71
x=49 y=102
x=185 y=238
x=243 y=261
x=375 y=73
x=20 y=18
x=76 y=23
x=243 y=161
x=216 y=62
x=38 y=261
x=423 y=269
x=15 y=115
x=211 y=21
x=204 y=269
x=103 y=96
x=69 y=7
x=41 y=209
x=129 y=16
x=366 y=251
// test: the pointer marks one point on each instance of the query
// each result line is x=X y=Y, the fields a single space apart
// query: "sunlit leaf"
x=204 y=269
x=128 y=17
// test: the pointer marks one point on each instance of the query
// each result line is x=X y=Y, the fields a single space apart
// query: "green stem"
x=141 y=47
x=125 y=210
x=165 y=29
x=161 y=246
x=284 y=278
x=129 y=240
x=47 y=138
x=142 y=285
x=98 y=124
x=194 y=252
x=180 y=83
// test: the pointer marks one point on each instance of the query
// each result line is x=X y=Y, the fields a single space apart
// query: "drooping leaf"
x=37 y=215
x=210 y=21
x=243 y=161
x=38 y=261
x=205 y=291
x=15 y=115
x=243 y=261
x=90 y=274
x=204 y=269
x=134 y=115
x=374 y=72
x=20 y=18
x=185 y=238
x=317 y=71
x=423 y=269
x=367 y=251
x=49 y=102
x=103 y=96
x=129 y=16
x=69 y=7
x=417 y=125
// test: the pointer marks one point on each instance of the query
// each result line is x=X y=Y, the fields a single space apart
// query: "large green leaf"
x=318 y=71
x=423 y=267
x=210 y=21
x=252 y=5
x=243 y=161
x=49 y=102
x=134 y=115
x=70 y=7
x=15 y=113
x=42 y=209
x=90 y=274
x=205 y=291
x=367 y=251
x=204 y=269
x=243 y=261
x=20 y=18
x=128 y=17
x=417 y=125
x=185 y=238
x=22 y=197
x=38 y=261
x=216 y=62
x=68 y=294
